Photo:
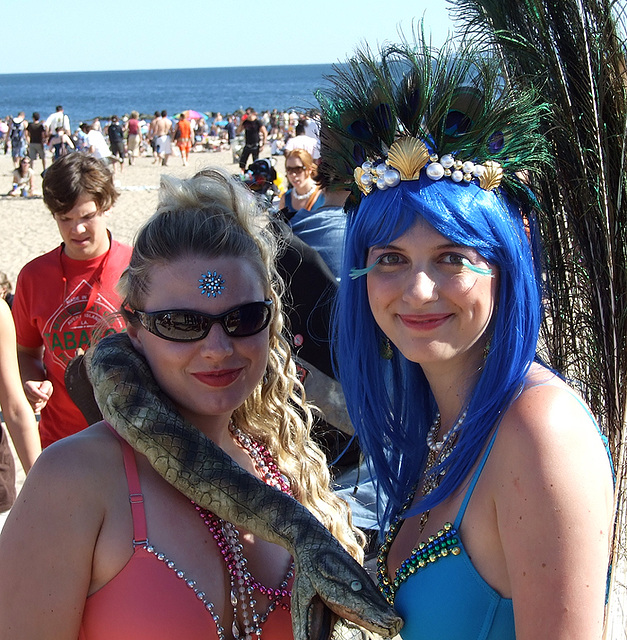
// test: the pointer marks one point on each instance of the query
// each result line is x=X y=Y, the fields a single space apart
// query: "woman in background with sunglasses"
x=201 y=299
x=304 y=193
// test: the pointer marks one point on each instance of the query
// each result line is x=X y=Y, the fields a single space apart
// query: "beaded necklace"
x=445 y=541
x=305 y=195
x=226 y=535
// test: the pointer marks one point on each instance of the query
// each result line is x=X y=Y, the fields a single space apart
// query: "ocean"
x=86 y=95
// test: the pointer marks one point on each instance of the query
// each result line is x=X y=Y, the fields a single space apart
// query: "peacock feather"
x=458 y=102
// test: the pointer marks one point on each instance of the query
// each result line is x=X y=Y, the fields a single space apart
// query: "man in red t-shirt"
x=61 y=296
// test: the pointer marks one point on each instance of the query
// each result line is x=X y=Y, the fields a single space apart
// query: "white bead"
x=366 y=179
x=392 y=177
x=381 y=183
x=447 y=160
x=468 y=166
x=457 y=176
x=435 y=171
x=478 y=171
x=366 y=166
x=381 y=168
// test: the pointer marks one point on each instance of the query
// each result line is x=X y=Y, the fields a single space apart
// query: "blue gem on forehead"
x=212 y=284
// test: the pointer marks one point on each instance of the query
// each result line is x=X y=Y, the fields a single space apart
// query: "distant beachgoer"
x=134 y=140
x=97 y=146
x=255 y=136
x=302 y=141
x=231 y=130
x=116 y=140
x=17 y=137
x=36 y=138
x=163 y=142
x=56 y=120
x=6 y=289
x=183 y=137
x=152 y=137
x=61 y=143
x=23 y=180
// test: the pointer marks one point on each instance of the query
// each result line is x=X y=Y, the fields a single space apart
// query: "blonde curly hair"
x=213 y=215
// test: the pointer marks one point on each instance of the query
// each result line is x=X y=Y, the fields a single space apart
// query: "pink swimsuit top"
x=151 y=598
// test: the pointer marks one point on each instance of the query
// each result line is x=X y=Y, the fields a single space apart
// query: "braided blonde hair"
x=213 y=215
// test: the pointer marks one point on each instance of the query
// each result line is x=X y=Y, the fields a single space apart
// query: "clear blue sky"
x=75 y=35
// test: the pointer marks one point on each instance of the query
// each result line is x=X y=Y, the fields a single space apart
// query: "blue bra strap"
x=473 y=482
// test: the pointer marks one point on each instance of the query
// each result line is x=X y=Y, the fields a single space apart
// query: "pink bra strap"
x=135 y=496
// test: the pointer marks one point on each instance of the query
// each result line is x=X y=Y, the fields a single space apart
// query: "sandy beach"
x=28 y=230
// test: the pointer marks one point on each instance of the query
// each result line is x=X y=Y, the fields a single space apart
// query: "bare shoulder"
x=76 y=467
x=550 y=417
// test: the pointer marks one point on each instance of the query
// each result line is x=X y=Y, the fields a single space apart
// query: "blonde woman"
x=202 y=303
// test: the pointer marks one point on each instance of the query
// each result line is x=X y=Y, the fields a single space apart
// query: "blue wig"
x=390 y=401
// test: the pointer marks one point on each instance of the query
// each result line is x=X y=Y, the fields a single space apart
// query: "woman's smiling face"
x=433 y=299
x=209 y=378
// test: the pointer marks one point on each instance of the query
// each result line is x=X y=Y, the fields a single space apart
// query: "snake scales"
x=327 y=578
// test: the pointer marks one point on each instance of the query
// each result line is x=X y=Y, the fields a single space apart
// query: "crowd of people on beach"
x=117 y=139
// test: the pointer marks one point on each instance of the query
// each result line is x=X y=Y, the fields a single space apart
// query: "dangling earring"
x=486 y=348
x=385 y=349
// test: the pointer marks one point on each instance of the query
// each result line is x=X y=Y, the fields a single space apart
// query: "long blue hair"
x=389 y=401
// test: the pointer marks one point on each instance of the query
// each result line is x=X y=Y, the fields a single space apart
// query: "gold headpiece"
x=408 y=156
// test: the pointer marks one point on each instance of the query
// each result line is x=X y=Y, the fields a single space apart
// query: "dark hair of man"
x=35 y=115
x=300 y=129
x=76 y=175
x=164 y=113
x=59 y=107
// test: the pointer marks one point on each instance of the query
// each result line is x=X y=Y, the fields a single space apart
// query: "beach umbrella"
x=194 y=115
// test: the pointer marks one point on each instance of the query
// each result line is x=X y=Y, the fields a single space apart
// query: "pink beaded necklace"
x=226 y=535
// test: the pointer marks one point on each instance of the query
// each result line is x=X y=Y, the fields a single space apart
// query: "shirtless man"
x=163 y=142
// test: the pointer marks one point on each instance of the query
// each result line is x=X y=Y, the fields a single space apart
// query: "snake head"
x=336 y=584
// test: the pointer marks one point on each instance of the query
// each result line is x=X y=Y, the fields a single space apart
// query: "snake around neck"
x=328 y=580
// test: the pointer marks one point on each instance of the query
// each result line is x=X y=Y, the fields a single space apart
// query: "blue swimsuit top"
x=444 y=596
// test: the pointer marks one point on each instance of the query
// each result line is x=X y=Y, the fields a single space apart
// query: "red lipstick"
x=221 y=378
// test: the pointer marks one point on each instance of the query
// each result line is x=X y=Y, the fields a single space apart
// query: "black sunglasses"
x=180 y=325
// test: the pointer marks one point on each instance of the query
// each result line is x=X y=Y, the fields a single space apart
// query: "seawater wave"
x=86 y=95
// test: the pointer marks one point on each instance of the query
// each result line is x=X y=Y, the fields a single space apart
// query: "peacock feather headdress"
x=451 y=113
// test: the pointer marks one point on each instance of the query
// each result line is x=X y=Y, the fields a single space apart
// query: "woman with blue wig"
x=494 y=484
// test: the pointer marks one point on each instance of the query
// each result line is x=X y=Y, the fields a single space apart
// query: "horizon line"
x=247 y=66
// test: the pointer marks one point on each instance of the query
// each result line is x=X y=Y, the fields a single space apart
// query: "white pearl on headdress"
x=381 y=183
x=366 y=166
x=381 y=169
x=468 y=166
x=478 y=171
x=447 y=161
x=366 y=179
x=435 y=171
x=457 y=176
x=391 y=177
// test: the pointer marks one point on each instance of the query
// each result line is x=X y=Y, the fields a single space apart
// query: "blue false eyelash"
x=480 y=270
x=355 y=273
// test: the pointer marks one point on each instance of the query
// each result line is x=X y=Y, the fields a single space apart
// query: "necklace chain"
x=439 y=451
x=243 y=584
